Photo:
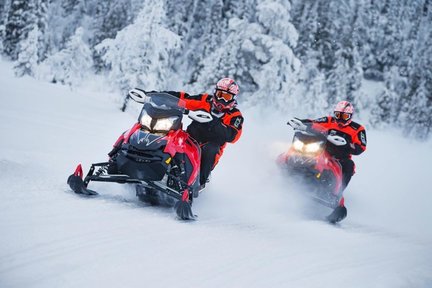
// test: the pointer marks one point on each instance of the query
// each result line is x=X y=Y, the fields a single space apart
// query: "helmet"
x=224 y=96
x=343 y=113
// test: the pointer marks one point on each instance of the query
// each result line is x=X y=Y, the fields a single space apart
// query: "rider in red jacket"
x=225 y=127
x=341 y=124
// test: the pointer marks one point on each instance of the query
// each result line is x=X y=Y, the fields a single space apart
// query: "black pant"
x=208 y=156
x=347 y=171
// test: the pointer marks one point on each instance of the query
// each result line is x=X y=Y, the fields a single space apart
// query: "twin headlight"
x=307 y=148
x=158 y=125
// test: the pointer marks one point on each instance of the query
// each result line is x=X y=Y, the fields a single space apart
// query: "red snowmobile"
x=156 y=155
x=308 y=160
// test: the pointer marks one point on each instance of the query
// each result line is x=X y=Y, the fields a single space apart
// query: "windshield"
x=164 y=101
x=162 y=105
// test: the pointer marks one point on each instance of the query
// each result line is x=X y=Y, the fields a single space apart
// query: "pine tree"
x=207 y=29
x=139 y=56
x=309 y=53
x=18 y=25
x=384 y=114
x=28 y=54
x=338 y=52
x=305 y=18
x=240 y=9
x=42 y=25
x=367 y=33
x=71 y=65
x=312 y=86
x=31 y=48
x=390 y=42
x=417 y=117
x=258 y=56
x=112 y=16
x=4 y=12
x=179 y=16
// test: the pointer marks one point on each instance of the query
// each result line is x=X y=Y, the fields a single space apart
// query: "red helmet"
x=224 y=96
x=343 y=113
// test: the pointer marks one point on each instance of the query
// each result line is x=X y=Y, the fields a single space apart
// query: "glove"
x=218 y=131
x=297 y=124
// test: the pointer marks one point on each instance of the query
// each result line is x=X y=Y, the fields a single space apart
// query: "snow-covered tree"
x=179 y=16
x=367 y=33
x=139 y=56
x=71 y=65
x=109 y=18
x=257 y=55
x=419 y=119
x=20 y=21
x=28 y=54
x=312 y=87
x=384 y=114
x=191 y=43
x=42 y=24
x=418 y=115
x=4 y=12
x=2 y=33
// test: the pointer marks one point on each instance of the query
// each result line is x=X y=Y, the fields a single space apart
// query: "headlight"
x=313 y=147
x=298 y=145
x=146 y=121
x=165 y=124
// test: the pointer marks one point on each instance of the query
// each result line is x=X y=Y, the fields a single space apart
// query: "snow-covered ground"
x=253 y=229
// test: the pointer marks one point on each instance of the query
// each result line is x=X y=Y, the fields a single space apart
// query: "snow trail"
x=251 y=230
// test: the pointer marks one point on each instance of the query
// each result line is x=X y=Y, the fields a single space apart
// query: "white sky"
x=254 y=229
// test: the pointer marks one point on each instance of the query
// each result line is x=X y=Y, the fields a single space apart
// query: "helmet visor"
x=223 y=95
x=342 y=116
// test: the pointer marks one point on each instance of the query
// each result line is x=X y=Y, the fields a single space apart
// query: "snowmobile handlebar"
x=137 y=95
x=337 y=140
x=300 y=126
x=297 y=124
x=199 y=116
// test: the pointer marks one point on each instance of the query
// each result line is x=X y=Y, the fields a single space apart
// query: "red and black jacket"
x=225 y=128
x=354 y=134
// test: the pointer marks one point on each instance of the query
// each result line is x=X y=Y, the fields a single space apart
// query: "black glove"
x=218 y=132
x=346 y=148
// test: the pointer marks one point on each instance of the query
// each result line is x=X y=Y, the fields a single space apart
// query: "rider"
x=341 y=124
x=226 y=125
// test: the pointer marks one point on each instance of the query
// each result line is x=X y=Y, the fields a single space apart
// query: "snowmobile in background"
x=156 y=155
x=308 y=160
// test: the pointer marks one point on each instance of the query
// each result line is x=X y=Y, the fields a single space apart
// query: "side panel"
x=180 y=142
x=327 y=162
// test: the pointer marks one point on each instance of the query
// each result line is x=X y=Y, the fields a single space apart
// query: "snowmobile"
x=308 y=160
x=156 y=155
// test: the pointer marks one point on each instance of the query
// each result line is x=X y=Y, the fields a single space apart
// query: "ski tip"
x=78 y=171
x=77 y=185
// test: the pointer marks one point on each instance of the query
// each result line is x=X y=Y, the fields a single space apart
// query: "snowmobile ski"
x=77 y=184
x=183 y=207
x=338 y=214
